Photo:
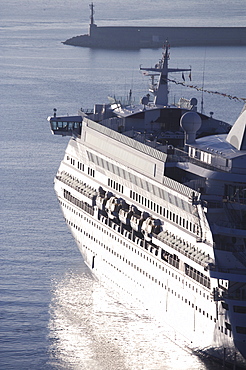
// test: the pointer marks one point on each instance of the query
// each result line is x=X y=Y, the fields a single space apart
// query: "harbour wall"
x=124 y=37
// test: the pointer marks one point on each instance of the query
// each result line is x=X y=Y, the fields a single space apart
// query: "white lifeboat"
x=112 y=206
x=124 y=216
x=136 y=222
x=148 y=226
x=101 y=201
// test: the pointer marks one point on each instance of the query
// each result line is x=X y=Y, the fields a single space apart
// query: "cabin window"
x=241 y=329
x=235 y=193
x=225 y=306
x=239 y=309
x=227 y=325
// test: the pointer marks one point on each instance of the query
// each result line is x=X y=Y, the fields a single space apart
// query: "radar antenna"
x=161 y=68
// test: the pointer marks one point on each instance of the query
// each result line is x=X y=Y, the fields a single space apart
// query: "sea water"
x=53 y=313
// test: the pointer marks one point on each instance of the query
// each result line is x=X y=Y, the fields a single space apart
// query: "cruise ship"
x=155 y=196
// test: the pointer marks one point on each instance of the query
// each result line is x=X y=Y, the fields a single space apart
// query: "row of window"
x=81 y=166
x=194 y=228
x=125 y=244
x=237 y=309
x=143 y=184
x=179 y=296
x=197 y=275
x=171 y=259
x=91 y=172
x=236 y=193
x=226 y=330
x=165 y=212
x=79 y=203
x=79 y=186
x=115 y=185
x=145 y=273
x=72 y=161
x=241 y=329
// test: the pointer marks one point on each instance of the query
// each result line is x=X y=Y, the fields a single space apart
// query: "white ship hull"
x=187 y=307
x=158 y=210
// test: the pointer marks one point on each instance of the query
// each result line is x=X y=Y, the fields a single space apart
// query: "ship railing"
x=79 y=203
x=172 y=259
x=232 y=271
x=213 y=204
x=86 y=111
x=197 y=275
x=182 y=156
x=126 y=140
x=186 y=249
x=133 y=237
x=236 y=292
x=231 y=225
x=77 y=185
x=229 y=247
x=234 y=297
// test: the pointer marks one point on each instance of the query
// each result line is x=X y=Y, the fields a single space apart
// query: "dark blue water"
x=53 y=314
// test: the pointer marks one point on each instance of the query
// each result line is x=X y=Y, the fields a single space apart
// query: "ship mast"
x=161 y=92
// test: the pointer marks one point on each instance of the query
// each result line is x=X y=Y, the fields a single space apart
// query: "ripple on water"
x=91 y=329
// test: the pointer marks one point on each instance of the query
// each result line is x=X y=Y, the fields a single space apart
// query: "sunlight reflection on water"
x=91 y=329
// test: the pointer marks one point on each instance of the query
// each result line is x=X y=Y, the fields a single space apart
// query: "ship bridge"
x=65 y=126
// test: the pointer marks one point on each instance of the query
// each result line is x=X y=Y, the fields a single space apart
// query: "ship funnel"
x=237 y=134
x=190 y=122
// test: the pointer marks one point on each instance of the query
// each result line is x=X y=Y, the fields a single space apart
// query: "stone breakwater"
x=124 y=37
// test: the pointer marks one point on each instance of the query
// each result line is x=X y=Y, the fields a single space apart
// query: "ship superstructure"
x=155 y=197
